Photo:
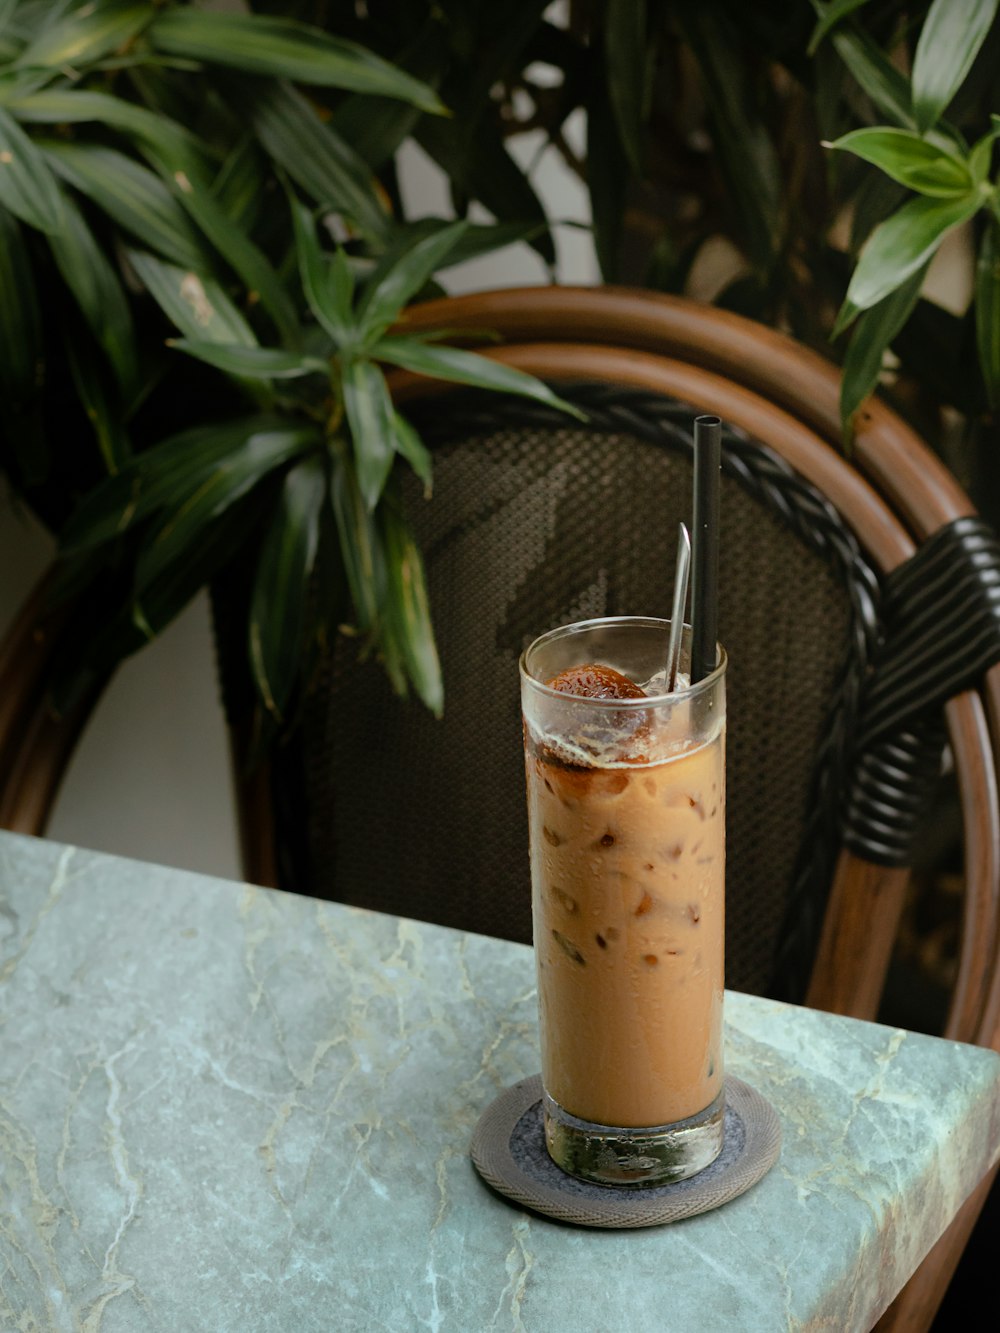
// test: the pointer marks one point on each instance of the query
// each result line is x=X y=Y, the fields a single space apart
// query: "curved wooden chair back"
x=537 y=520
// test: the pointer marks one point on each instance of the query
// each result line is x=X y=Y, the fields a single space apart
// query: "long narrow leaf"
x=876 y=200
x=237 y=187
x=195 y=304
x=227 y=482
x=318 y=159
x=910 y=160
x=94 y=283
x=27 y=187
x=165 y=475
x=166 y=142
x=627 y=57
x=86 y=34
x=830 y=16
x=981 y=153
x=880 y=79
x=370 y=416
x=741 y=138
x=948 y=44
x=103 y=413
x=20 y=315
x=483 y=169
x=242 y=255
x=462 y=367
x=479 y=238
x=903 y=243
x=392 y=286
x=988 y=311
x=360 y=542
x=329 y=296
x=133 y=195
x=197 y=563
x=407 y=608
x=280 y=591
x=285 y=49
x=410 y=446
x=874 y=333
x=607 y=179
x=252 y=362
x=21 y=353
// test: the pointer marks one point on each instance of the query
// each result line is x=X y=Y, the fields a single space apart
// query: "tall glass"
x=626 y=810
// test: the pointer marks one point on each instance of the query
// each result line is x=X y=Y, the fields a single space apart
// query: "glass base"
x=637 y=1157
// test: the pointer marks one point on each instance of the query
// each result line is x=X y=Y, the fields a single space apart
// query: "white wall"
x=150 y=778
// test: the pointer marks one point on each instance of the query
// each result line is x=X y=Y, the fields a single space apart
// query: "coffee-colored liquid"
x=628 y=903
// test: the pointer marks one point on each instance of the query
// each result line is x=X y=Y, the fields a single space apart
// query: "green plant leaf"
x=830 y=16
x=981 y=153
x=877 y=76
x=317 y=159
x=211 y=494
x=280 y=591
x=903 y=243
x=740 y=135
x=462 y=367
x=193 y=568
x=478 y=239
x=197 y=305
x=360 y=542
x=94 y=283
x=236 y=189
x=102 y=412
x=168 y=144
x=27 y=187
x=166 y=475
x=135 y=197
x=607 y=180
x=328 y=287
x=370 y=416
x=407 y=610
x=243 y=256
x=874 y=333
x=252 y=362
x=21 y=354
x=483 y=169
x=285 y=49
x=910 y=160
x=988 y=311
x=876 y=199
x=627 y=52
x=410 y=446
x=85 y=35
x=948 y=44
x=399 y=278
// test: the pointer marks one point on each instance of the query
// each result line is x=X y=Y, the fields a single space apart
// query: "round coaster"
x=508 y=1151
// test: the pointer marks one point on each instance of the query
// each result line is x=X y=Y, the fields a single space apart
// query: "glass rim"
x=653 y=622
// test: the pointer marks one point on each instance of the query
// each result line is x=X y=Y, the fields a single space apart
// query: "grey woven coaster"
x=508 y=1151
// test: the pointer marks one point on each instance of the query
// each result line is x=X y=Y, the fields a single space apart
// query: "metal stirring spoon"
x=681 y=574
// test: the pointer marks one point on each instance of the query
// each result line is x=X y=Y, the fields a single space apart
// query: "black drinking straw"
x=705 y=547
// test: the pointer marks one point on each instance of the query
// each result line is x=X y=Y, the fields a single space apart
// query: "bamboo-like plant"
x=705 y=131
x=161 y=179
x=203 y=249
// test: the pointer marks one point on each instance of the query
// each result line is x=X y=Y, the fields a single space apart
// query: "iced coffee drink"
x=626 y=805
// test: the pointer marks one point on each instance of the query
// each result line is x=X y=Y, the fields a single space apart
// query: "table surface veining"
x=224 y=1108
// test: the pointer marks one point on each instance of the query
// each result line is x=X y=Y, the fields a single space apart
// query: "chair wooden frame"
x=894 y=496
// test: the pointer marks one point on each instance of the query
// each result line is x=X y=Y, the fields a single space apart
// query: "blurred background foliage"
x=205 y=244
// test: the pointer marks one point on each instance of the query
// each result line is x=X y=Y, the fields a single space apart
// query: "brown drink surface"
x=628 y=905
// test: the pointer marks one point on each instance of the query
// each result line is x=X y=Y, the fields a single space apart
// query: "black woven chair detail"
x=941 y=613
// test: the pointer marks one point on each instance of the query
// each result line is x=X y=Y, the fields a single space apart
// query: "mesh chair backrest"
x=533 y=525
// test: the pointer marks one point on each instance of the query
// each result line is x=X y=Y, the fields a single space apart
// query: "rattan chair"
x=834 y=740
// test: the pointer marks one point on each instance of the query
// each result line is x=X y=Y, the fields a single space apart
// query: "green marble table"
x=229 y=1109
